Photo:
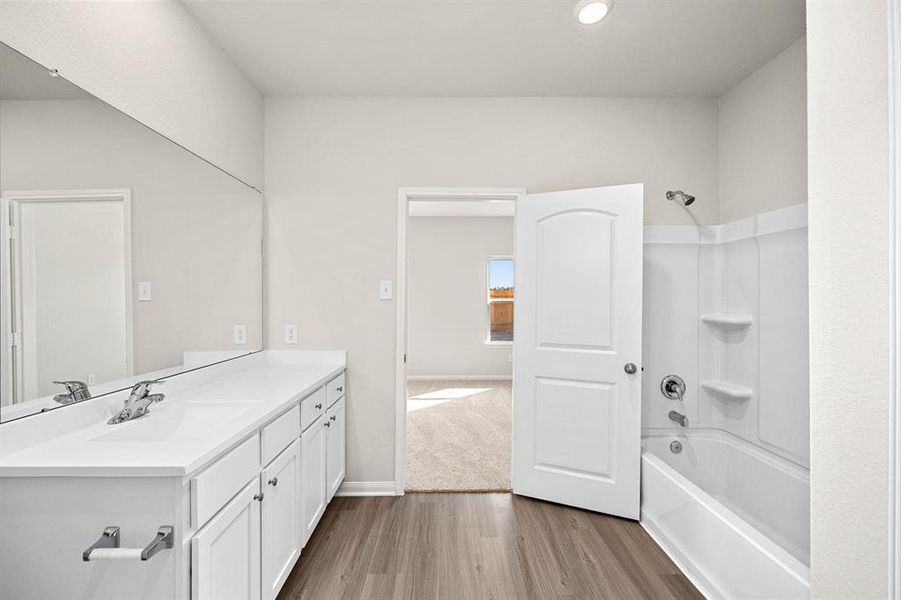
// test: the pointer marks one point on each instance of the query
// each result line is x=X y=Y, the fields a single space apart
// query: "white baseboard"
x=366 y=488
x=507 y=377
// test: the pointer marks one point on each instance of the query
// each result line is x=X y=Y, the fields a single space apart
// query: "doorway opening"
x=455 y=315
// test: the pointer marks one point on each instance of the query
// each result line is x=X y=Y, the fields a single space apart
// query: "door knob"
x=630 y=368
x=273 y=482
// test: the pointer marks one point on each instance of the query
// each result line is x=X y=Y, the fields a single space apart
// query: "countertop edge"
x=181 y=470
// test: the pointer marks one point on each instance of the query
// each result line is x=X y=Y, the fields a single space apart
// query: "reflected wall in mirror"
x=120 y=251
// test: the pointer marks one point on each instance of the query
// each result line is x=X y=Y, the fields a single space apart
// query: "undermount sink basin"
x=178 y=421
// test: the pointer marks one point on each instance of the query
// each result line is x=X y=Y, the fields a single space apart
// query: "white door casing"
x=576 y=410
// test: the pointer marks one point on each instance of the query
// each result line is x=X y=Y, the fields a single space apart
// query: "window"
x=500 y=300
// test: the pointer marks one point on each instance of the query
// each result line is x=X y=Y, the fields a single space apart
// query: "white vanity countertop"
x=205 y=413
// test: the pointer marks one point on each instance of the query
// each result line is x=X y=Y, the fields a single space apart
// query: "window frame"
x=489 y=300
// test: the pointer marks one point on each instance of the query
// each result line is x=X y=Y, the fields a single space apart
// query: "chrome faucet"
x=679 y=418
x=76 y=392
x=138 y=402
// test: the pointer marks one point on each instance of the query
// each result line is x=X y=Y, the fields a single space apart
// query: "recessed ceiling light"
x=590 y=12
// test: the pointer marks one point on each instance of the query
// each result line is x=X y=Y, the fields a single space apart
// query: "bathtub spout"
x=679 y=418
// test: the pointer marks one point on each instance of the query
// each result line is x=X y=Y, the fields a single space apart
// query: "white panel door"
x=335 y=447
x=282 y=516
x=577 y=348
x=225 y=554
x=312 y=457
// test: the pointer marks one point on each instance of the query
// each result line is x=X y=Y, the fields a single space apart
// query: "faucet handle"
x=142 y=388
x=75 y=391
x=72 y=386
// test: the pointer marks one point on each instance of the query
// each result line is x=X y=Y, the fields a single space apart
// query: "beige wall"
x=195 y=231
x=763 y=138
x=152 y=60
x=849 y=286
x=446 y=295
x=333 y=167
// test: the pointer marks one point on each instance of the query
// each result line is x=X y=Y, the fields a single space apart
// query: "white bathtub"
x=734 y=518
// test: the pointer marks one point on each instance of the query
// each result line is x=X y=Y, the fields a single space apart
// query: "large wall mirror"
x=122 y=255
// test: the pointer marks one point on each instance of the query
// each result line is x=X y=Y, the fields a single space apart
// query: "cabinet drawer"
x=312 y=407
x=335 y=389
x=214 y=487
x=279 y=434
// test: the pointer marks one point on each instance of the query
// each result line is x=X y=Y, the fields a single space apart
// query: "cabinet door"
x=281 y=517
x=225 y=554
x=312 y=457
x=335 y=453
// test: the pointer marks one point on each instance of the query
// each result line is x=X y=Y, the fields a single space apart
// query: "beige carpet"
x=458 y=436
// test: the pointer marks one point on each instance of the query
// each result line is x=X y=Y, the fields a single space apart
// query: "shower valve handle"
x=630 y=368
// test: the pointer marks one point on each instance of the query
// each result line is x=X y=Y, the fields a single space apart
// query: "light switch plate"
x=290 y=334
x=385 y=291
x=145 y=291
x=240 y=334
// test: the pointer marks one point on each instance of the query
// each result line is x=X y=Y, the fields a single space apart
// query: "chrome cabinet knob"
x=273 y=482
x=341 y=389
x=259 y=497
x=319 y=406
x=630 y=368
x=332 y=418
x=327 y=424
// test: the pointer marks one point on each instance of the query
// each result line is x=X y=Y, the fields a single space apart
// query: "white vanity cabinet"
x=241 y=513
x=280 y=507
x=313 y=457
x=226 y=552
x=335 y=441
x=282 y=521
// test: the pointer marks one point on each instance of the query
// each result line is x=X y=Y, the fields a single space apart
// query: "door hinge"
x=15 y=339
x=12 y=232
x=405 y=358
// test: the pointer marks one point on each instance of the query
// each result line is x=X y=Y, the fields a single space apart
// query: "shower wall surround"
x=726 y=309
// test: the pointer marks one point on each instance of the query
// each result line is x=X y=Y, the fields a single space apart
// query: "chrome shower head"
x=686 y=199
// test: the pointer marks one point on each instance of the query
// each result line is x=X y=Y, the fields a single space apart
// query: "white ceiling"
x=498 y=47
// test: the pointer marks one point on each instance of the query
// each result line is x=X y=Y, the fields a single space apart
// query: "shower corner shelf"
x=728 y=390
x=728 y=321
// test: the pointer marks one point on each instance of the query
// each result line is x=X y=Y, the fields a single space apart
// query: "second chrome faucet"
x=138 y=402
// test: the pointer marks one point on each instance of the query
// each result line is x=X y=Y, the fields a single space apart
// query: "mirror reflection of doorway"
x=74 y=245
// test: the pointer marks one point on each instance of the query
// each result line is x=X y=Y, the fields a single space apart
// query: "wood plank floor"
x=462 y=546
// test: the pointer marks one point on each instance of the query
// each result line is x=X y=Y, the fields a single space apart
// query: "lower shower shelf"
x=728 y=390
